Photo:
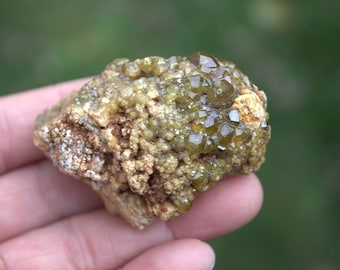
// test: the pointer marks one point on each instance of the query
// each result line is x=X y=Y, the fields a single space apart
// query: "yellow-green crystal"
x=150 y=134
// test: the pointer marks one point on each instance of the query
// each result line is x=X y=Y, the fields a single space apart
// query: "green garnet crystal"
x=149 y=135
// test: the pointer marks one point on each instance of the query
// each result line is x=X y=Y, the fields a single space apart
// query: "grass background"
x=291 y=49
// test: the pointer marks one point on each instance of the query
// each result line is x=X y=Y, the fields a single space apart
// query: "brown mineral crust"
x=149 y=135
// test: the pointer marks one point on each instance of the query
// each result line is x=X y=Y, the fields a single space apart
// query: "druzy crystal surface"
x=149 y=135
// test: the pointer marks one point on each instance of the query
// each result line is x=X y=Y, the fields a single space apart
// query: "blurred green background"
x=291 y=49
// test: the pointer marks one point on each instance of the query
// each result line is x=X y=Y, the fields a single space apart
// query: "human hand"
x=49 y=221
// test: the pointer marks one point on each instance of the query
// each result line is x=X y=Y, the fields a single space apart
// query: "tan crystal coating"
x=149 y=135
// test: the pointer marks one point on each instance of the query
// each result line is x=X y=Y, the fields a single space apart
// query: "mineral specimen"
x=149 y=135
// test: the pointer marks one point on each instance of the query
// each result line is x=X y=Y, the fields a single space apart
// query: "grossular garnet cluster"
x=150 y=134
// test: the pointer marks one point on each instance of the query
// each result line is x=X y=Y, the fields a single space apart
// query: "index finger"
x=17 y=116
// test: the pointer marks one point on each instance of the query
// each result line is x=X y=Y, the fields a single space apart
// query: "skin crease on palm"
x=49 y=221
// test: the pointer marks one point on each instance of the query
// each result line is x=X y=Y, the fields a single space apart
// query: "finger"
x=183 y=254
x=94 y=240
x=38 y=194
x=99 y=241
x=17 y=116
